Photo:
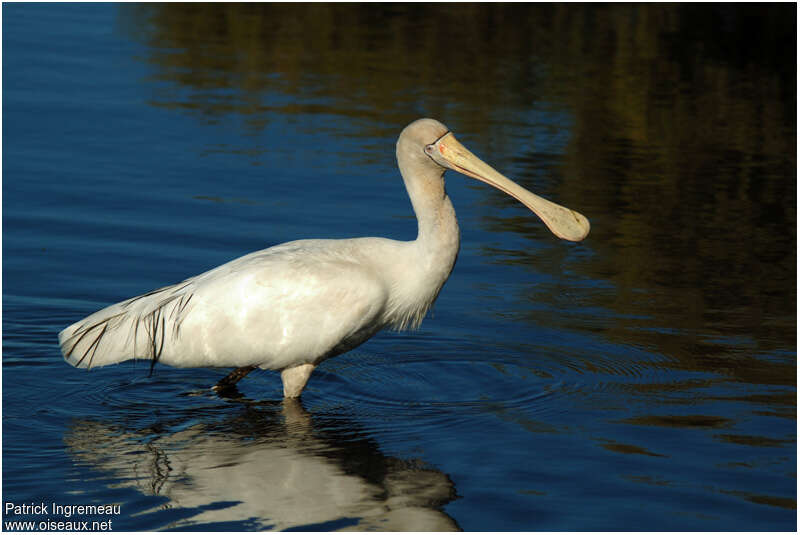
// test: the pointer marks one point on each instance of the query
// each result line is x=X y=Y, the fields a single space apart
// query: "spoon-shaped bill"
x=563 y=222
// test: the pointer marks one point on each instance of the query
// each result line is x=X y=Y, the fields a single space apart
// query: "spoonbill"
x=289 y=307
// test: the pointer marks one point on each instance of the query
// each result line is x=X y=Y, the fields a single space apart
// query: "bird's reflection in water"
x=272 y=466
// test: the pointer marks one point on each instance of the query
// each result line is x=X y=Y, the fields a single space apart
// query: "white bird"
x=291 y=306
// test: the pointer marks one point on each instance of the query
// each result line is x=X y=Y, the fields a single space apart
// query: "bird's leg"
x=295 y=378
x=230 y=380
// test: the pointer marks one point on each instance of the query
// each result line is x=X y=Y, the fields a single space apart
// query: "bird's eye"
x=430 y=149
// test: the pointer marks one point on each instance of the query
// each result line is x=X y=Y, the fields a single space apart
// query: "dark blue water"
x=644 y=379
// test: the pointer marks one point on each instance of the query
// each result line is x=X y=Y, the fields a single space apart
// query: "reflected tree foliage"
x=671 y=126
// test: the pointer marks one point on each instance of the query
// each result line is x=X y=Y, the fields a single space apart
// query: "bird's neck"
x=437 y=244
x=437 y=227
x=422 y=267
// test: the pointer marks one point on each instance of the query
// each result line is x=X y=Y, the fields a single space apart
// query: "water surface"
x=644 y=379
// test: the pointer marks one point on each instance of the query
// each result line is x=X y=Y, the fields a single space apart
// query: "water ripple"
x=401 y=389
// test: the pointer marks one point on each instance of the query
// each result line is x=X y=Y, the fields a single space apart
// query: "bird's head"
x=427 y=144
x=415 y=137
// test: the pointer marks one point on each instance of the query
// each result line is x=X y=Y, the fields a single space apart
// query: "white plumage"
x=294 y=305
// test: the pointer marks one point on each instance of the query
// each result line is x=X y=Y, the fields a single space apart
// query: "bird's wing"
x=295 y=303
x=298 y=302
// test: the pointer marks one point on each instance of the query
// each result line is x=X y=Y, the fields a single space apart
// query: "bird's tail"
x=134 y=329
x=98 y=340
